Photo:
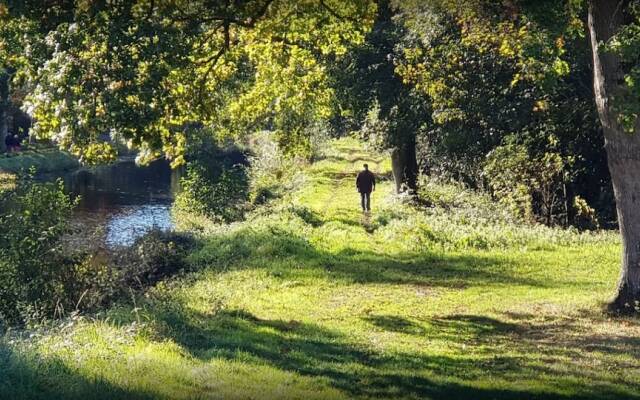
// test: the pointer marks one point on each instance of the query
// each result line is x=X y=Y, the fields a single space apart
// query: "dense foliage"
x=459 y=83
x=441 y=84
x=495 y=96
x=141 y=70
x=214 y=184
x=34 y=217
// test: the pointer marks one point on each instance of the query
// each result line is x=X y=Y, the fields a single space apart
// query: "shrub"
x=154 y=256
x=508 y=175
x=271 y=173
x=7 y=181
x=100 y=277
x=34 y=217
x=585 y=216
x=44 y=275
x=529 y=186
x=319 y=136
x=217 y=194
x=215 y=184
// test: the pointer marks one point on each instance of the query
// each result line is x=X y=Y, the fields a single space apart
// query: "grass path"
x=304 y=301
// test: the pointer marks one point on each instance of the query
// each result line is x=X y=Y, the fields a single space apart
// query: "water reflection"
x=125 y=199
x=131 y=222
x=123 y=184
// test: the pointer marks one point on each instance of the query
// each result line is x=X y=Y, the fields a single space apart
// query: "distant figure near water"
x=366 y=183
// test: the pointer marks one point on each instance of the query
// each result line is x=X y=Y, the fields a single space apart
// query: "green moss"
x=310 y=299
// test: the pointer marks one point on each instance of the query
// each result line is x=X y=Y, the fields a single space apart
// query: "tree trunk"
x=3 y=127
x=623 y=149
x=397 y=166
x=411 y=168
x=404 y=166
x=4 y=106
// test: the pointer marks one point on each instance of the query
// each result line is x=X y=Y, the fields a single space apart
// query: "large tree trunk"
x=404 y=166
x=623 y=149
x=4 y=106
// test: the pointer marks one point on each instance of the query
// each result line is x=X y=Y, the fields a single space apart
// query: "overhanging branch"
x=335 y=13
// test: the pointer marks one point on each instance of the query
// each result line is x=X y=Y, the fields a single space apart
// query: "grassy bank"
x=43 y=160
x=311 y=299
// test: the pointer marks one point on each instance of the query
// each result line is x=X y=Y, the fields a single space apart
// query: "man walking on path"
x=366 y=183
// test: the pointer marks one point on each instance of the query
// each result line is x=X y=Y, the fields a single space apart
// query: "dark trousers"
x=365 y=199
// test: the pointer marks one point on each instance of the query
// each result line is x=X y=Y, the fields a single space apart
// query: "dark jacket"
x=365 y=181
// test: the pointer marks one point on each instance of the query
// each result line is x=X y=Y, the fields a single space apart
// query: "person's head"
x=366 y=167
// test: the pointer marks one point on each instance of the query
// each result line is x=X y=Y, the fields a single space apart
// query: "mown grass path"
x=304 y=301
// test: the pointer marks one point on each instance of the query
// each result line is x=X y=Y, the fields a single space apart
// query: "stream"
x=122 y=198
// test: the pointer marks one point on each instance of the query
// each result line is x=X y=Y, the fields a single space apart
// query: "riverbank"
x=44 y=160
x=310 y=299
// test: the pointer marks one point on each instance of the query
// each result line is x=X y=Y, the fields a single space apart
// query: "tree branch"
x=335 y=13
x=152 y=5
x=251 y=21
x=226 y=22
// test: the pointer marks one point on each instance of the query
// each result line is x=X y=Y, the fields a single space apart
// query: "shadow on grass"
x=450 y=327
x=307 y=215
x=553 y=332
x=316 y=352
x=249 y=249
x=334 y=176
x=394 y=323
x=349 y=157
x=35 y=378
x=514 y=358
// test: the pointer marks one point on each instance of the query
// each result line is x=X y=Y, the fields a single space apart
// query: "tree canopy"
x=141 y=70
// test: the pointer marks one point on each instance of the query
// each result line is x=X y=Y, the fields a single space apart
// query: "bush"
x=44 y=275
x=585 y=216
x=215 y=184
x=219 y=193
x=7 y=181
x=154 y=256
x=98 y=278
x=271 y=173
x=508 y=172
x=319 y=136
x=531 y=187
x=34 y=217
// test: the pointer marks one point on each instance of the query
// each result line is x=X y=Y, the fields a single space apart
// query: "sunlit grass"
x=7 y=181
x=311 y=299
